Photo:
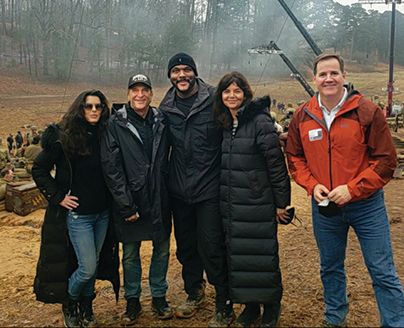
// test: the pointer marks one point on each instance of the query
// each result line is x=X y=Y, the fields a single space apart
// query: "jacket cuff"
x=127 y=212
x=56 y=198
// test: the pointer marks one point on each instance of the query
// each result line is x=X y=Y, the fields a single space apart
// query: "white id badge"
x=316 y=134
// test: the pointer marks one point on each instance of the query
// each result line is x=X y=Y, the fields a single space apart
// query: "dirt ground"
x=38 y=104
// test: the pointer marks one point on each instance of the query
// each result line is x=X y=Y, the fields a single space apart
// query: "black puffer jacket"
x=254 y=182
x=136 y=183
x=57 y=259
x=195 y=153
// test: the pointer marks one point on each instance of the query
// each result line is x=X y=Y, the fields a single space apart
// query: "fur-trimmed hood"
x=50 y=136
x=254 y=107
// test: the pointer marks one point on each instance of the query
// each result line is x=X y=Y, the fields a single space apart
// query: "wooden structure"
x=23 y=198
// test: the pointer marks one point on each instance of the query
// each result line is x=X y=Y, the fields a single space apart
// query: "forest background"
x=107 y=40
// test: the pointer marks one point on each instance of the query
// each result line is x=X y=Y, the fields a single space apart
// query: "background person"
x=10 y=143
x=340 y=150
x=77 y=216
x=33 y=150
x=254 y=192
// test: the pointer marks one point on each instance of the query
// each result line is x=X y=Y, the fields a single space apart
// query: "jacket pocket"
x=137 y=184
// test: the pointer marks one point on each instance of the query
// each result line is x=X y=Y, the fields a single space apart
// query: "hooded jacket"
x=254 y=182
x=137 y=184
x=195 y=140
x=357 y=150
x=57 y=259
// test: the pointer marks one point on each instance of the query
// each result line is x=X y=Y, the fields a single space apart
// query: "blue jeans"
x=369 y=220
x=132 y=269
x=87 y=234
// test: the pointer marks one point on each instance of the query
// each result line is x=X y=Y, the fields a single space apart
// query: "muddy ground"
x=39 y=104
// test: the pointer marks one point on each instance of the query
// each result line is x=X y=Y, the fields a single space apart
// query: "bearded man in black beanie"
x=194 y=188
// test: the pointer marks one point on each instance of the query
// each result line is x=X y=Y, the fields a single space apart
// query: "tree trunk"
x=3 y=16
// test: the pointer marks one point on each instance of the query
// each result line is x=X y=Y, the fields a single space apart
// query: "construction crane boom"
x=313 y=45
x=272 y=48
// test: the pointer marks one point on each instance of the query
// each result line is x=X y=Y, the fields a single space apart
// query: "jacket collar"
x=203 y=96
x=121 y=115
x=351 y=103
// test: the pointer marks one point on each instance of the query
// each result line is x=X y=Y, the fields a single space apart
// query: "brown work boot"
x=195 y=301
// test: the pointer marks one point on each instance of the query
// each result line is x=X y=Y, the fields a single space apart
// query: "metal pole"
x=301 y=28
x=390 y=86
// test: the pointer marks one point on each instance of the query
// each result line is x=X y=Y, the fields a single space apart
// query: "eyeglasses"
x=89 y=107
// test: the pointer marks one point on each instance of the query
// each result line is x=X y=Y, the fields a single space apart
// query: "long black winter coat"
x=195 y=154
x=136 y=183
x=254 y=182
x=57 y=259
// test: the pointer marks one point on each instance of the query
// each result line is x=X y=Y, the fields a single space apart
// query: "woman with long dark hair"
x=254 y=194
x=77 y=218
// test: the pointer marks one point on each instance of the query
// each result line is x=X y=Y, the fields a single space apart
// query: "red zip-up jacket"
x=357 y=150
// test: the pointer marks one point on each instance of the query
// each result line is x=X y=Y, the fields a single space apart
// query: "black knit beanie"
x=181 y=59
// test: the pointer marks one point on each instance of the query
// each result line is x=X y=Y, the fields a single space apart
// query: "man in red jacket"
x=340 y=150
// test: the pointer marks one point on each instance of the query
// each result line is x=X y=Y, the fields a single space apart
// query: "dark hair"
x=221 y=113
x=73 y=132
x=325 y=57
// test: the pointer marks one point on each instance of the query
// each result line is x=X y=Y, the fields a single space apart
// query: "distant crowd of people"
x=25 y=144
x=210 y=161
x=21 y=150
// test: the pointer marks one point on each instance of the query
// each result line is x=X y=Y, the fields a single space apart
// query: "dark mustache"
x=182 y=80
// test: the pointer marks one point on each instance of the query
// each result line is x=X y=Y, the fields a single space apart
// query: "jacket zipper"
x=321 y=123
x=329 y=158
x=232 y=136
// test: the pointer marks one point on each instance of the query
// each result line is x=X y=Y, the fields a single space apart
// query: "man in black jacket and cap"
x=194 y=169
x=134 y=154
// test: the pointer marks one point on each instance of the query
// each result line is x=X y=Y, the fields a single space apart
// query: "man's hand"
x=133 y=217
x=340 y=195
x=69 y=202
x=320 y=193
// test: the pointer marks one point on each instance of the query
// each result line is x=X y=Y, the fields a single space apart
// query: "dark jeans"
x=132 y=269
x=368 y=218
x=200 y=241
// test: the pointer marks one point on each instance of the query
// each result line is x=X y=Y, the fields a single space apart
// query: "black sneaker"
x=133 y=309
x=224 y=315
x=86 y=312
x=161 y=309
x=271 y=315
x=71 y=314
x=249 y=317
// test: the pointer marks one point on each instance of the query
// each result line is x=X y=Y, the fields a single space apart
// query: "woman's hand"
x=69 y=202
x=282 y=215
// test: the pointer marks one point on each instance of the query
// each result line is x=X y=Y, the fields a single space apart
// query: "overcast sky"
x=381 y=8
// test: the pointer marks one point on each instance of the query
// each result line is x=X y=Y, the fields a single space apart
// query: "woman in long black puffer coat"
x=77 y=240
x=254 y=194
